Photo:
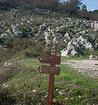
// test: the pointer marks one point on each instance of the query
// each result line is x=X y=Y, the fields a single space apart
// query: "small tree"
x=71 y=7
x=47 y=4
x=84 y=7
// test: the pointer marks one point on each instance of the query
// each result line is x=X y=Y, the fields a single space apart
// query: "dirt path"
x=86 y=67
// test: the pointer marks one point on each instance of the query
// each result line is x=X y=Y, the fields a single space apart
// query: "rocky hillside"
x=73 y=35
x=25 y=35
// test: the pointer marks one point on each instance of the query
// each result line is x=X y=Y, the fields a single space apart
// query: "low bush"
x=6 y=96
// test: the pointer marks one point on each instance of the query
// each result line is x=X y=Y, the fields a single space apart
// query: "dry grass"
x=9 y=71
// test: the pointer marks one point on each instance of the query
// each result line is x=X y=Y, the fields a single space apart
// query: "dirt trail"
x=86 y=67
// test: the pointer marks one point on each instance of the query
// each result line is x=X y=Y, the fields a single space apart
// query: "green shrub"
x=6 y=96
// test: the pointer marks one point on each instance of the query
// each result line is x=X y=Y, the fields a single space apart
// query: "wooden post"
x=50 y=90
x=51 y=81
x=52 y=70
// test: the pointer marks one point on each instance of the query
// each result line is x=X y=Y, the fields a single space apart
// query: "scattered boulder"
x=16 y=30
x=67 y=36
x=83 y=42
x=91 y=57
x=0 y=46
x=89 y=46
x=47 y=38
x=72 y=50
x=78 y=23
x=43 y=27
x=96 y=57
x=94 y=25
x=64 y=52
x=4 y=36
x=61 y=29
x=14 y=13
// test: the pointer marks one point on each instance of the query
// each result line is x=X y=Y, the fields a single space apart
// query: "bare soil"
x=85 y=67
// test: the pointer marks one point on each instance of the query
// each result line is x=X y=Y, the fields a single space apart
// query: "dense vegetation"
x=70 y=8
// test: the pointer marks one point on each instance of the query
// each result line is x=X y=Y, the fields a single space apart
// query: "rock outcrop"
x=76 y=34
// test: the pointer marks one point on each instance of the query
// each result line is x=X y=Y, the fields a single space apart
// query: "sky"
x=91 y=4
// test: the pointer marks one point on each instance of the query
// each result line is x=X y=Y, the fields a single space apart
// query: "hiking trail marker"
x=53 y=59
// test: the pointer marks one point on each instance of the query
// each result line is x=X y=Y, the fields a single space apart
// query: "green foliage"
x=6 y=96
x=5 y=6
x=18 y=43
x=47 y=4
x=88 y=53
x=73 y=8
x=84 y=7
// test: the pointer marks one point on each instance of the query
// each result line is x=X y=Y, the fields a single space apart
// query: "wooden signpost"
x=50 y=59
x=49 y=70
x=52 y=69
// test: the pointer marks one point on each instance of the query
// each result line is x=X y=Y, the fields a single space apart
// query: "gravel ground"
x=86 y=67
